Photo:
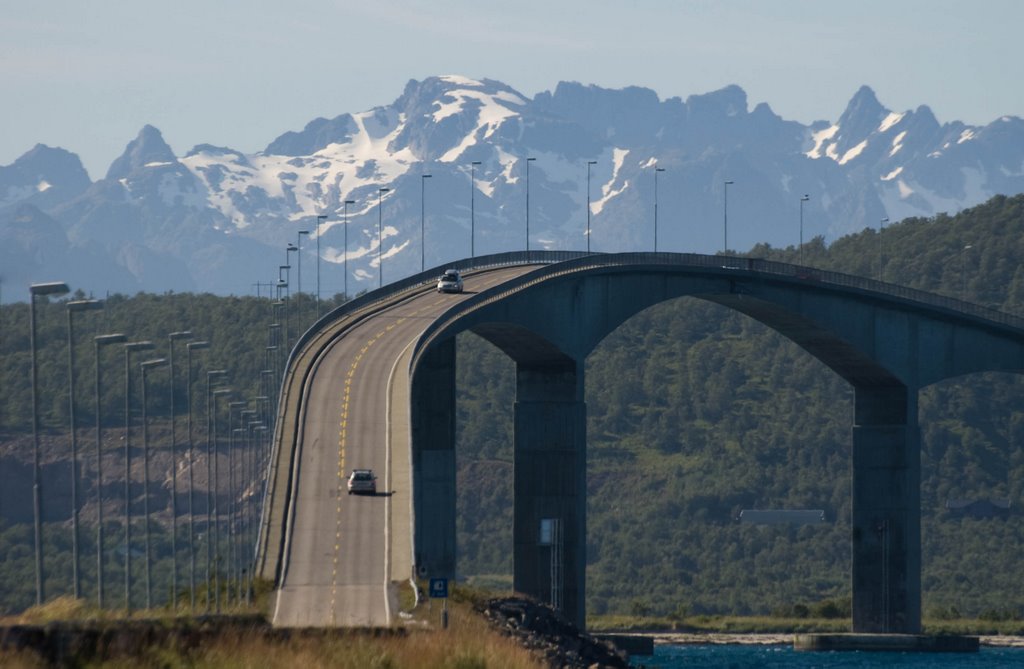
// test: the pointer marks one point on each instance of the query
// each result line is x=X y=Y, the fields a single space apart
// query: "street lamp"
x=725 y=215
x=98 y=341
x=805 y=198
x=146 y=366
x=528 y=161
x=298 y=254
x=55 y=288
x=129 y=348
x=319 y=219
x=232 y=552
x=215 y=487
x=881 y=226
x=191 y=346
x=656 y=170
x=590 y=163
x=72 y=307
x=380 y=238
x=472 y=207
x=171 y=338
x=963 y=272
x=210 y=376
x=423 y=219
x=345 y=257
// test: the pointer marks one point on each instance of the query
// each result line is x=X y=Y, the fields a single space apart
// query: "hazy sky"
x=86 y=76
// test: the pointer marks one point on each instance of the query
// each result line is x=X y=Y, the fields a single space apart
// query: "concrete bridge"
x=548 y=311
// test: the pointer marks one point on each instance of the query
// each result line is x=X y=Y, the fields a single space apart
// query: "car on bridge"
x=450 y=282
x=362 y=481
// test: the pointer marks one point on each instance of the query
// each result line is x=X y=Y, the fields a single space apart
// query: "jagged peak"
x=148 y=148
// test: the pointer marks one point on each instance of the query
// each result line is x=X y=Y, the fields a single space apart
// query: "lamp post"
x=171 y=338
x=590 y=163
x=129 y=348
x=298 y=287
x=282 y=286
x=210 y=376
x=319 y=219
x=380 y=238
x=725 y=215
x=55 y=288
x=146 y=366
x=101 y=340
x=881 y=226
x=232 y=548
x=245 y=517
x=656 y=170
x=189 y=347
x=528 y=161
x=345 y=257
x=963 y=272
x=472 y=207
x=805 y=198
x=215 y=487
x=423 y=220
x=72 y=307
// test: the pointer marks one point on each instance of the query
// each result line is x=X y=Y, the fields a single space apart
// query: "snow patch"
x=889 y=121
x=897 y=143
x=965 y=136
x=44 y=186
x=853 y=153
x=819 y=139
x=905 y=190
x=460 y=80
x=608 y=190
x=892 y=175
x=158 y=164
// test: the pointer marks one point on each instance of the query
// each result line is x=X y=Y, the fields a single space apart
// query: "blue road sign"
x=439 y=588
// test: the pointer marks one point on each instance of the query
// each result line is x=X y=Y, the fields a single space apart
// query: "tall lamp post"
x=345 y=256
x=725 y=215
x=129 y=348
x=963 y=272
x=55 y=288
x=380 y=237
x=319 y=219
x=147 y=365
x=590 y=163
x=215 y=487
x=171 y=338
x=232 y=511
x=423 y=220
x=472 y=207
x=881 y=226
x=98 y=341
x=528 y=161
x=656 y=170
x=298 y=288
x=805 y=198
x=189 y=347
x=211 y=375
x=72 y=307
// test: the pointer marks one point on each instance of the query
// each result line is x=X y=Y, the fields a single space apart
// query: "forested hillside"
x=694 y=413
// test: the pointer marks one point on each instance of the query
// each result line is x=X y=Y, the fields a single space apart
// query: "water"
x=776 y=657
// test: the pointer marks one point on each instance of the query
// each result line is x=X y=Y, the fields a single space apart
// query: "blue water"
x=772 y=657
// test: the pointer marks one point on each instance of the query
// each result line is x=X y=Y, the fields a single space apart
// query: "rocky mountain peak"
x=147 y=149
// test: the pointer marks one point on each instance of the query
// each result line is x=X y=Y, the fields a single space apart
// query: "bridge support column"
x=433 y=462
x=549 y=526
x=886 y=511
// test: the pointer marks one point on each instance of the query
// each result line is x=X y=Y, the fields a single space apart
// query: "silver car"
x=450 y=282
x=362 y=481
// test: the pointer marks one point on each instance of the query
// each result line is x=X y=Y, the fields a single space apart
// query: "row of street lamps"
x=243 y=486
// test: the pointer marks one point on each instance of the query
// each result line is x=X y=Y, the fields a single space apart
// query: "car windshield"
x=362 y=476
x=451 y=276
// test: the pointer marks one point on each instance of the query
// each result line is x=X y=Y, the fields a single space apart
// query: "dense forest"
x=694 y=413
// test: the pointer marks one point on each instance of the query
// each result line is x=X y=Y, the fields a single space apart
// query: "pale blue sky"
x=87 y=76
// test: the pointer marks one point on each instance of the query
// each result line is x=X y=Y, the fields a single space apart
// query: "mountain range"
x=505 y=170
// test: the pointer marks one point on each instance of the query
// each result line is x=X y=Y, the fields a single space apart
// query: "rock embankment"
x=559 y=643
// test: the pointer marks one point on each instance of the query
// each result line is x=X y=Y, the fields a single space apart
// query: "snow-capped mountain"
x=219 y=220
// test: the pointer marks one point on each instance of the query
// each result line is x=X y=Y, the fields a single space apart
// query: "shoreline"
x=776 y=639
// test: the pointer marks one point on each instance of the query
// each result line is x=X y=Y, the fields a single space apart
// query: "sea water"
x=775 y=657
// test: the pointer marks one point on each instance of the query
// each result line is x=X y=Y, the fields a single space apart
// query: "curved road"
x=339 y=547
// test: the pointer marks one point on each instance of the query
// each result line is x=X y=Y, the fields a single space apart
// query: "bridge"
x=372 y=384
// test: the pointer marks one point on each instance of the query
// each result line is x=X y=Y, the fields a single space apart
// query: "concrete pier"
x=893 y=643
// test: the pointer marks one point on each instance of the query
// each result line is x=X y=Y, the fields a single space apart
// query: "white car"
x=362 y=481
x=450 y=282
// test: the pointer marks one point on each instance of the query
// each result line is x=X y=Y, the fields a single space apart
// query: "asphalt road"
x=339 y=546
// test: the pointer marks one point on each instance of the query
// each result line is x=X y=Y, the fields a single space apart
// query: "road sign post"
x=439 y=590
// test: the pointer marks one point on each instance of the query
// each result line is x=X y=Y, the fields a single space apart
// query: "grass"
x=468 y=643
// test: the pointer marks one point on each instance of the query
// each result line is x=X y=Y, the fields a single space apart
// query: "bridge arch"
x=886 y=343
